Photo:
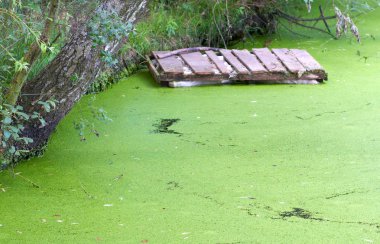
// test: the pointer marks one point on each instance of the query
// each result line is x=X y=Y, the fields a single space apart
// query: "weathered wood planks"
x=197 y=66
x=219 y=63
x=289 y=60
x=269 y=60
x=171 y=65
x=198 y=63
x=232 y=59
x=307 y=60
x=250 y=61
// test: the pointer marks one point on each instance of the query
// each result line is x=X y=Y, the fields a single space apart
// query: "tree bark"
x=79 y=58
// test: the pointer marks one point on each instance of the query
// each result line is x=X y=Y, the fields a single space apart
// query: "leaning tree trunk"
x=79 y=58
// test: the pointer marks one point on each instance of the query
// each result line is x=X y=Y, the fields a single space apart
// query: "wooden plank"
x=250 y=61
x=198 y=63
x=153 y=70
x=289 y=60
x=159 y=54
x=171 y=65
x=307 y=60
x=269 y=60
x=218 y=63
x=234 y=62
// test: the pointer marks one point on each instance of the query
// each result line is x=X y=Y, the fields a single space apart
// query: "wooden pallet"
x=207 y=66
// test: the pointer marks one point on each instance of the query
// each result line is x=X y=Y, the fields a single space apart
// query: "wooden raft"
x=207 y=66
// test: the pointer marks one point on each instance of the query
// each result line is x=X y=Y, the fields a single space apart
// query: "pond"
x=222 y=164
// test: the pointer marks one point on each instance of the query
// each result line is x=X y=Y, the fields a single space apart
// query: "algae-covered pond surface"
x=224 y=164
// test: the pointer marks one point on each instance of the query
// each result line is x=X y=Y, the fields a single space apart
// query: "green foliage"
x=21 y=65
x=171 y=28
x=107 y=27
x=21 y=23
x=12 y=126
x=175 y=24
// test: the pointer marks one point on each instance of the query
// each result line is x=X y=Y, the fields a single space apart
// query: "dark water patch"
x=163 y=126
x=300 y=213
x=305 y=214
x=200 y=143
x=296 y=212
x=345 y=194
x=317 y=115
x=334 y=112
x=209 y=198
x=172 y=185
x=241 y=122
x=208 y=123
x=229 y=145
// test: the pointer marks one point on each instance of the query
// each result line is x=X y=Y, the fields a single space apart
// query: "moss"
x=118 y=187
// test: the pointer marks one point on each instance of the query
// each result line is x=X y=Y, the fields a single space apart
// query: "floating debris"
x=296 y=212
x=172 y=185
x=163 y=126
x=118 y=177
x=108 y=205
x=250 y=198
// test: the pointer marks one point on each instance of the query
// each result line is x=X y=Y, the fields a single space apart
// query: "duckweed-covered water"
x=223 y=164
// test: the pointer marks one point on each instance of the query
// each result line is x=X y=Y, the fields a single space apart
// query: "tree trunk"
x=79 y=58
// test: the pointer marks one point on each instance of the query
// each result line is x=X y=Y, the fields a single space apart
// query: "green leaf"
x=21 y=65
x=43 y=47
x=27 y=140
x=14 y=129
x=6 y=134
x=45 y=105
x=12 y=150
x=23 y=115
x=7 y=120
x=42 y=121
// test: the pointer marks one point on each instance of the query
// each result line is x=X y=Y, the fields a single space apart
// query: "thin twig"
x=56 y=38
x=27 y=180
x=308 y=26
x=323 y=18
x=293 y=32
x=188 y=50
x=85 y=191
x=228 y=21
x=216 y=24
x=282 y=14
